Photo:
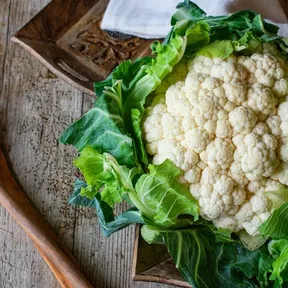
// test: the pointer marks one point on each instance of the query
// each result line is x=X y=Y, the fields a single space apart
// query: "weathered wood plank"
x=4 y=20
x=38 y=106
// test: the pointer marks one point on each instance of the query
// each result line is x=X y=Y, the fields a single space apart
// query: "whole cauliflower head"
x=224 y=122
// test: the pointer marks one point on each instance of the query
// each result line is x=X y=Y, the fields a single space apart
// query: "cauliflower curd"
x=225 y=124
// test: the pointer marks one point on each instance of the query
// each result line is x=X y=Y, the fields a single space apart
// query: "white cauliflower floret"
x=218 y=154
x=188 y=123
x=256 y=186
x=270 y=141
x=217 y=194
x=226 y=127
x=229 y=71
x=250 y=66
x=274 y=123
x=238 y=140
x=196 y=139
x=262 y=186
x=213 y=84
x=242 y=120
x=253 y=213
x=171 y=124
x=195 y=190
x=152 y=126
x=152 y=148
x=281 y=173
x=268 y=69
x=223 y=127
x=201 y=64
x=235 y=93
x=236 y=173
x=252 y=225
x=259 y=204
x=245 y=212
x=229 y=106
x=239 y=196
x=216 y=199
x=205 y=111
x=280 y=88
x=193 y=83
x=176 y=100
x=209 y=176
x=171 y=149
x=260 y=158
x=260 y=128
x=261 y=99
x=283 y=149
x=272 y=185
x=227 y=222
x=202 y=165
x=283 y=114
x=193 y=175
x=283 y=111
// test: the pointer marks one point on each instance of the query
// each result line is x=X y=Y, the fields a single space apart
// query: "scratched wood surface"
x=35 y=107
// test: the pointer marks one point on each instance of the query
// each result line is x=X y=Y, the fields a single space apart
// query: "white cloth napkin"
x=151 y=18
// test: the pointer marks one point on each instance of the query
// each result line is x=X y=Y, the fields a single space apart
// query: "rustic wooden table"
x=35 y=107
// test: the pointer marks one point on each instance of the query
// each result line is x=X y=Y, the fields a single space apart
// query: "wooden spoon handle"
x=57 y=273
x=15 y=201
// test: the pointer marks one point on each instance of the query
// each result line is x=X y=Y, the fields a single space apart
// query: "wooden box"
x=66 y=37
x=153 y=263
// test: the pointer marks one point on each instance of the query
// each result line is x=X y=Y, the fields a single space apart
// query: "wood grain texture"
x=59 y=259
x=75 y=48
x=35 y=107
x=31 y=110
x=4 y=39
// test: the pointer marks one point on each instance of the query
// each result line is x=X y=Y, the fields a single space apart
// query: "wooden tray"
x=153 y=263
x=66 y=37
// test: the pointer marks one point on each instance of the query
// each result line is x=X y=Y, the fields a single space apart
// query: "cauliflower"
x=223 y=127
x=218 y=154
x=224 y=123
x=196 y=139
x=274 y=122
x=281 y=173
x=261 y=99
x=283 y=149
x=216 y=194
x=259 y=158
x=283 y=114
x=242 y=120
